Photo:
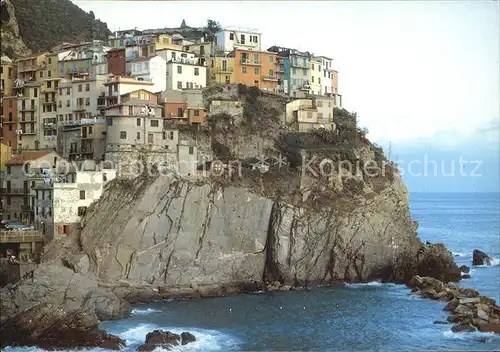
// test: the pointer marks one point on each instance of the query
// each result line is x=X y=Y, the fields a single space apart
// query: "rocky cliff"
x=159 y=236
x=39 y=25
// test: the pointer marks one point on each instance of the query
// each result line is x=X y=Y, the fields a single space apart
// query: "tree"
x=211 y=28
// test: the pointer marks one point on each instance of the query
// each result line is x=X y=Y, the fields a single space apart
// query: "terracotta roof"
x=24 y=157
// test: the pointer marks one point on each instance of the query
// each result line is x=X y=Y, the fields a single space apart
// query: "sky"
x=424 y=75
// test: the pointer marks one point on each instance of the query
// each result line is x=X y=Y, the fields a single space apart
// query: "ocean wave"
x=370 y=284
x=471 y=336
x=493 y=262
x=459 y=254
x=137 y=311
x=206 y=340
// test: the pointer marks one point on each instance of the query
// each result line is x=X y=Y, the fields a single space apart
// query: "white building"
x=327 y=74
x=74 y=195
x=231 y=38
x=153 y=69
x=116 y=86
x=78 y=98
x=169 y=54
x=185 y=74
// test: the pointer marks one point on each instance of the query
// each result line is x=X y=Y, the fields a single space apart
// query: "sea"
x=357 y=317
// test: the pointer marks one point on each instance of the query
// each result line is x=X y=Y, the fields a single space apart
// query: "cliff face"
x=177 y=235
x=12 y=42
x=39 y=25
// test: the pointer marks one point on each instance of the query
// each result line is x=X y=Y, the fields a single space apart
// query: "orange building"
x=183 y=106
x=9 y=135
x=255 y=68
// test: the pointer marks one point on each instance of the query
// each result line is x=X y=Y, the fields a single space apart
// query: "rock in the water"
x=463 y=328
x=490 y=327
x=452 y=305
x=165 y=340
x=465 y=269
x=440 y=322
x=480 y=258
x=465 y=276
x=187 y=337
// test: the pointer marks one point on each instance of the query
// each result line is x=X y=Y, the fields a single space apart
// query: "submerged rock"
x=480 y=258
x=165 y=340
x=465 y=269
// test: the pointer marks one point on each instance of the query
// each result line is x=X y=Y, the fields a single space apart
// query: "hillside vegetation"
x=46 y=23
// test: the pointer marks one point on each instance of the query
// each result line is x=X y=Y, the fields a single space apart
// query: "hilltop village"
x=97 y=103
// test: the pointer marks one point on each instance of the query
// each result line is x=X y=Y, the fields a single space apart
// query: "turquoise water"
x=369 y=316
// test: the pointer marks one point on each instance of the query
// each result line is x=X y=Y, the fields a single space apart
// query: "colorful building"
x=8 y=76
x=255 y=68
x=293 y=66
x=221 y=70
x=315 y=76
x=185 y=107
x=28 y=67
x=9 y=124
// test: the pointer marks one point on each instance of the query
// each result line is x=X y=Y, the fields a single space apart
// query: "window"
x=87 y=87
x=8 y=200
x=68 y=91
x=179 y=84
x=294 y=70
x=319 y=80
x=304 y=72
x=320 y=115
x=10 y=103
x=242 y=39
x=191 y=150
x=123 y=134
x=244 y=70
x=80 y=87
x=256 y=70
x=49 y=73
x=82 y=210
x=35 y=91
x=154 y=123
x=179 y=69
x=150 y=138
x=8 y=169
x=231 y=36
x=138 y=122
x=319 y=103
x=131 y=111
x=49 y=84
x=82 y=194
x=41 y=74
x=312 y=79
x=87 y=101
x=196 y=71
x=138 y=136
x=312 y=66
x=271 y=72
x=309 y=115
x=256 y=58
x=171 y=135
x=50 y=60
x=68 y=103
x=255 y=39
x=197 y=113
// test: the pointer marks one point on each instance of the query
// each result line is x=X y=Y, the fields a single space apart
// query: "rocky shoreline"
x=469 y=311
x=77 y=304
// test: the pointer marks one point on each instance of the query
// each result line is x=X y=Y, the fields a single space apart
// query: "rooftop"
x=27 y=156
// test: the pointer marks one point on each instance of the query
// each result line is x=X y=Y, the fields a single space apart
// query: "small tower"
x=183 y=24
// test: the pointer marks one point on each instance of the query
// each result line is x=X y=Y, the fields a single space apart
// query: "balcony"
x=83 y=122
x=224 y=69
x=48 y=101
x=80 y=108
x=307 y=107
x=50 y=125
x=28 y=108
x=78 y=72
x=248 y=62
x=8 y=122
x=270 y=78
x=27 y=68
x=28 y=133
x=185 y=60
x=15 y=191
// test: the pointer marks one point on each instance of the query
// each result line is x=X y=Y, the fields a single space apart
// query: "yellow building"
x=153 y=42
x=5 y=155
x=315 y=76
x=28 y=67
x=221 y=70
x=49 y=74
x=75 y=67
x=8 y=76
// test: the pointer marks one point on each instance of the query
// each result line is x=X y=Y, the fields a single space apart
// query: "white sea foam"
x=471 y=336
x=459 y=254
x=137 y=311
x=370 y=284
x=206 y=340
x=493 y=262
